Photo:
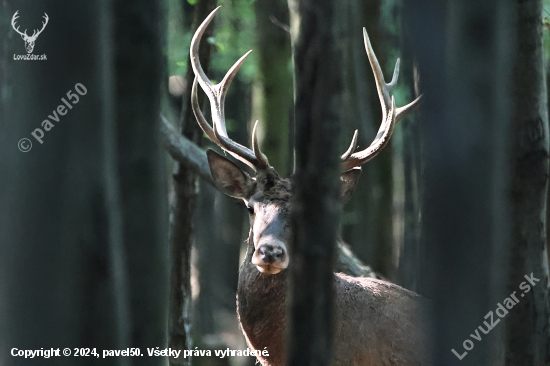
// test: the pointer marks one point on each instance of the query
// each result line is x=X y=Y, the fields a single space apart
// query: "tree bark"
x=139 y=69
x=55 y=272
x=528 y=328
x=464 y=51
x=83 y=249
x=410 y=256
x=316 y=186
x=274 y=80
x=183 y=200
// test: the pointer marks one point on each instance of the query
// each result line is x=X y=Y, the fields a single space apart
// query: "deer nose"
x=270 y=253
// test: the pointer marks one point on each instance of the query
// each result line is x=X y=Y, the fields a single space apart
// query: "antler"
x=36 y=33
x=390 y=114
x=15 y=16
x=216 y=95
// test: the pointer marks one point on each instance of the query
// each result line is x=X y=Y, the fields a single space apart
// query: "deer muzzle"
x=270 y=256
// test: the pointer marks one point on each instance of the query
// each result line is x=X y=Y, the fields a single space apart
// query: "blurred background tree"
x=83 y=250
x=114 y=210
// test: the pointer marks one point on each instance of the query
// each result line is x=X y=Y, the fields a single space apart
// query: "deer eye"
x=250 y=209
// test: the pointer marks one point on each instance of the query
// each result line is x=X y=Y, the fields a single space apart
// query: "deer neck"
x=261 y=308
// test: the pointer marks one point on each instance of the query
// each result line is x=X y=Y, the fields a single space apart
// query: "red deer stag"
x=377 y=322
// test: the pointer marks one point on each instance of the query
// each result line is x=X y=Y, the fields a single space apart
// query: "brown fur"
x=377 y=323
x=261 y=310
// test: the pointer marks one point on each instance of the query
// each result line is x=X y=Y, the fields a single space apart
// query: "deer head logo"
x=29 y=40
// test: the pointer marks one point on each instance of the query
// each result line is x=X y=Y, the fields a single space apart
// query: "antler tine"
x=381 y=86
x=256 y=147
x=351 y=147
x=216 y=95
x=404 y=111
x=381 y=140
x=350 y=159
x=195 y=41
x=198 y=113
x=384 y=88
x=395 y=76
x=222 y=88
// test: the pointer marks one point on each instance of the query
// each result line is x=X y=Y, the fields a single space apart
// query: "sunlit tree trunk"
x=183 y=202
x=219 y=232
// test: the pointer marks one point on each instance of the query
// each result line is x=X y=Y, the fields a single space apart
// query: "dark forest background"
x=108 y=241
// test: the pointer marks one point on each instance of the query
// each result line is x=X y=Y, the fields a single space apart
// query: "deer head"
x=267 y=196
x=29 y=40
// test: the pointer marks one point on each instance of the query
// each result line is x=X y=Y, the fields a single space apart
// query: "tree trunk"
x=316 y=185
x=528 y=328
x=410 y=256
x=138 y=42
x=369 y=227
x=464 y=51
x=274 y=80
x=56 y=281
x=548 y=194
x=83 y=249
x=219 y=232
x=183 y=202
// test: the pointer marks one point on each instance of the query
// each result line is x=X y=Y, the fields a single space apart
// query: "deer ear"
x=228 y=177
x=349 y=180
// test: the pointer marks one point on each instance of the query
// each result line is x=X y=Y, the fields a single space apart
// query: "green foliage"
x=178 y=39
x=230 y=124
x=390 y=14
x=233 y=36
x=546 y=32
